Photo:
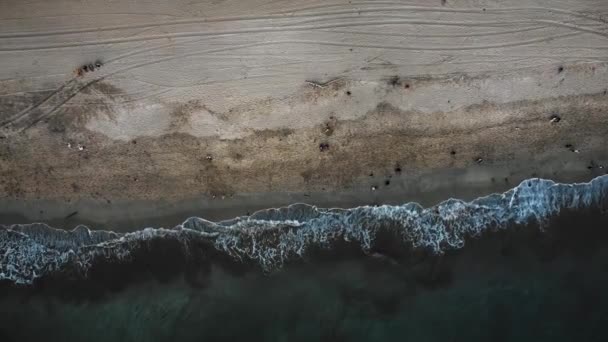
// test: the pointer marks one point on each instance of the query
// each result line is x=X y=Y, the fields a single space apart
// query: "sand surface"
x=218 y=108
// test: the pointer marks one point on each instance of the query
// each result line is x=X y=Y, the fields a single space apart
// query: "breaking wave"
x=270 y=238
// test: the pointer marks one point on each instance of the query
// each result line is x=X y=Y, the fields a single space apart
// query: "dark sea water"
x=530 y=264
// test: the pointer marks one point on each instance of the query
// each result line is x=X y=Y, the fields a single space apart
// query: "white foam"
x=274 y=236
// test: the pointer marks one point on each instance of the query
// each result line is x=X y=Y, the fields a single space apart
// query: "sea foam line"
x=275 y=236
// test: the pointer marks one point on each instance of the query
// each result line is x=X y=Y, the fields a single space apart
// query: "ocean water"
x=529 y=264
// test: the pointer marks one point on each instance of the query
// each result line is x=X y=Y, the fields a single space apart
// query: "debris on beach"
x=594 y=165
x=72 y=214
x=90 y=67
x=330 y=126
x=323 y=147
x=555 y=118
x=571 y=148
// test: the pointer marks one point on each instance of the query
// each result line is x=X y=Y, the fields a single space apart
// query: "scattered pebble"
x=209 y=157
x=479 y=160
x=374 y=188
x=323 y=147
x=594 y=165
x=80 y=148
x=571 y=148
x=555 y=118
x=387 y=182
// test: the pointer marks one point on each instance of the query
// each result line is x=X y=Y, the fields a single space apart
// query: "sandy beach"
x=220 y=108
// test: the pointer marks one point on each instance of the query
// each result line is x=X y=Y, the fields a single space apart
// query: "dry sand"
x=218 y=108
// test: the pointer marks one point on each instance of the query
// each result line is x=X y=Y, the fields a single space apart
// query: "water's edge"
x=271 y=238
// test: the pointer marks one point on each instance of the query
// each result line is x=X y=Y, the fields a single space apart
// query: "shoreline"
x=272 y=239
x=129 y=216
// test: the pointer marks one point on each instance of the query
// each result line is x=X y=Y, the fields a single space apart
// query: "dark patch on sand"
x=12 y=104
x=289 y=160
x=97 y=100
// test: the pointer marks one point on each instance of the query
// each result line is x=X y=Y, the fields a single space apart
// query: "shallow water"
x=527 y=265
